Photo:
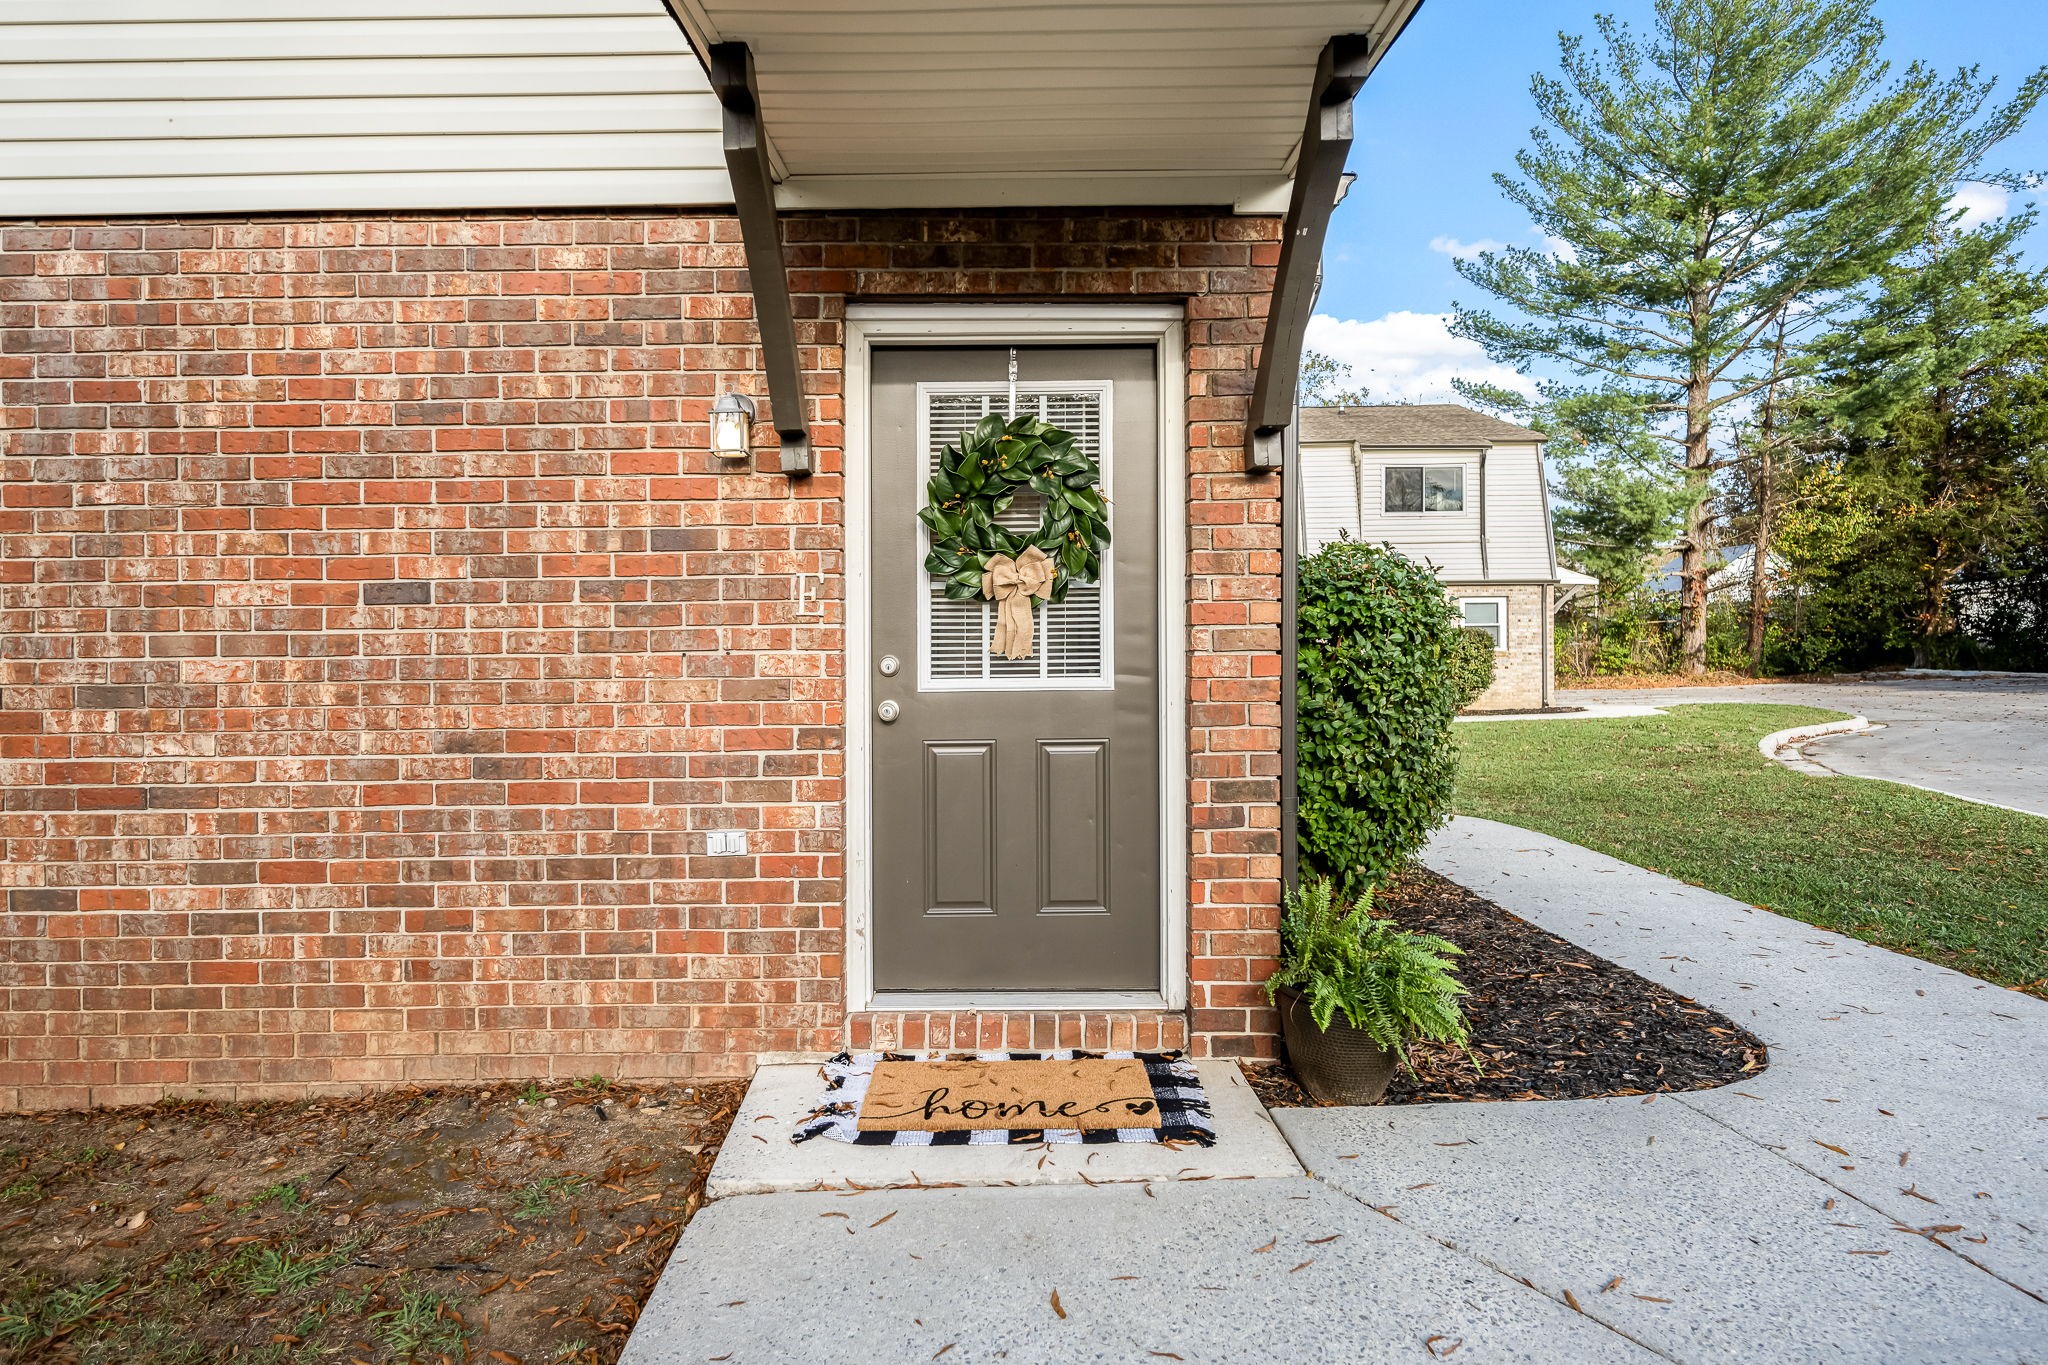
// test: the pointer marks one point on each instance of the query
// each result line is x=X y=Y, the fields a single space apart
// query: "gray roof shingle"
x=1401 y=426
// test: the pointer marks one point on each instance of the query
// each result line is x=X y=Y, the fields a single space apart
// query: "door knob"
x=887 y=712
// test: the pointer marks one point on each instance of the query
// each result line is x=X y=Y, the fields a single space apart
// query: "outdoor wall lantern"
x=732 y=426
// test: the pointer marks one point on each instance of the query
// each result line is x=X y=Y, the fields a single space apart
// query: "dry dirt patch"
x=516 y=1225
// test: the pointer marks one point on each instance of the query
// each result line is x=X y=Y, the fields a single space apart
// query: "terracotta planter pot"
x=1337 y=1065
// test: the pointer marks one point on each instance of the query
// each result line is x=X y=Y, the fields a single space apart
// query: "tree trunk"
x=1699 y=535
x=1760 y=563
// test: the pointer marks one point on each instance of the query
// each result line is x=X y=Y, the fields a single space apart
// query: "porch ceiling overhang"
x=982 y=103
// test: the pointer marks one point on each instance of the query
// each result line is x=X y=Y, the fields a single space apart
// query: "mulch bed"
x=1550 y=1021
x=513 y=1224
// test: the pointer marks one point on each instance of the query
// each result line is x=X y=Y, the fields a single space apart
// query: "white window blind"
x=1071 y=645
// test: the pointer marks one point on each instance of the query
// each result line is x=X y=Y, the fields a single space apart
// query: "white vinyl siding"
x=1447 y=540
x=1329 y=495
x=236 y=106
x=1517 y=531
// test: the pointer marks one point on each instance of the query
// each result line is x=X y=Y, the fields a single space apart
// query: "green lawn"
x=1689 y=795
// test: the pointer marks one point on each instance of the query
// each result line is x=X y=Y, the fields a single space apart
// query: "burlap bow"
x=1011 y=584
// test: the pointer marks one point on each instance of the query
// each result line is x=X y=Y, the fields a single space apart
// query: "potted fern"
x=1354 y=991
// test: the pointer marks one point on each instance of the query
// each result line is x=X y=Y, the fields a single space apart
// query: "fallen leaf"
x=1614 y=1283
x=943 y=1349
x=1830 y=1146
x=883 y=1219
x=1267 y=1247
x=1649 y=1298
x=1870 y=1253
x=1571 y=1302
x=1303 y=1266
x=1166 y=1355
x=1056 y=1304
x=1324 y=1241
x=1430 y=1344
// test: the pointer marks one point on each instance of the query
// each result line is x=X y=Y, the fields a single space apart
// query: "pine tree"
x=1731 y=180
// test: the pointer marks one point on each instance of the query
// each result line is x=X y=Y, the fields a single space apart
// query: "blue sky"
x=1450 y=106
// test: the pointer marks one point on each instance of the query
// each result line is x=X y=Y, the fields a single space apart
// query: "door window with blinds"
x=1073 y=637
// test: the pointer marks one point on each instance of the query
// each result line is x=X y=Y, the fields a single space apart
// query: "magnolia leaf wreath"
x=977 y=481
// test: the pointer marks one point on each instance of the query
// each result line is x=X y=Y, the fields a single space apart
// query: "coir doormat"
x=946 y=1099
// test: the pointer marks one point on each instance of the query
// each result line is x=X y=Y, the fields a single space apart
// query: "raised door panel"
x=960 y=813
x=1073 y=827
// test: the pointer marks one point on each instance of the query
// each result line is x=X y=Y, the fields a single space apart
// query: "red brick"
x=417 y=802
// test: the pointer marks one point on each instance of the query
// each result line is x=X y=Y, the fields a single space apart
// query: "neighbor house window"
x=1489 y=614
x=1425 y=488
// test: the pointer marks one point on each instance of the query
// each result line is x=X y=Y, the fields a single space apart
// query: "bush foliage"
x=1375 y=698
x=1472 y=665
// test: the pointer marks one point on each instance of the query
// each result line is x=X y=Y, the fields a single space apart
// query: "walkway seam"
x=1850 y=1195
x=1480 y=1260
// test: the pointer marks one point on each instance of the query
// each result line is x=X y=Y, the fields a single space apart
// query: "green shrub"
x=1472 y=665
x=1375 y=699
x=1393 y=985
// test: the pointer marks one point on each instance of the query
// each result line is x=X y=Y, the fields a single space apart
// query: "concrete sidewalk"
x=1879 y=1194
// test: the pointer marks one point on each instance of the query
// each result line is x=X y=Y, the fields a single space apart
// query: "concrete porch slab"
x=759 y=1158
x=1254 y=1270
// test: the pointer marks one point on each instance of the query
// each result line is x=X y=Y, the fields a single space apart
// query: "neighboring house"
x=1460 y=491
x=416 y=666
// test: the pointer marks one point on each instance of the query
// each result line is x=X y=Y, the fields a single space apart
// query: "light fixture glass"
x=732 y=421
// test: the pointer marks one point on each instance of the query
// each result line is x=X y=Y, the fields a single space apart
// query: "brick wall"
x=1519 y=672
x=380 y=641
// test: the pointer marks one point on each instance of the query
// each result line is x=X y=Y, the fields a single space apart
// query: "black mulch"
x=1550 y=1021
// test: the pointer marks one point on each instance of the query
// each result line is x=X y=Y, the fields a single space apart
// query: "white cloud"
x=1980 y=204
x=1555 y=246
x=1408 y=357
x=1451 y=246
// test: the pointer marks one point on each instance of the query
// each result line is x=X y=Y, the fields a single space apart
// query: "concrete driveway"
x=1983 y=739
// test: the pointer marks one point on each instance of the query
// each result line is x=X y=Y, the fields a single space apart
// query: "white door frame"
x=1005 y=324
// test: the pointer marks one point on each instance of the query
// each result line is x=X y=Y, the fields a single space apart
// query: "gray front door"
x=1016 y=829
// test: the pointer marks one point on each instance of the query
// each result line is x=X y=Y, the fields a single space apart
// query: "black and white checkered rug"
x=1183 y=1106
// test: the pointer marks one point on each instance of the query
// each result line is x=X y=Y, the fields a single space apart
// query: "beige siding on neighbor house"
x=236 y=106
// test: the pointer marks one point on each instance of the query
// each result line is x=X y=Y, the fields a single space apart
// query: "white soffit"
x=935 y=103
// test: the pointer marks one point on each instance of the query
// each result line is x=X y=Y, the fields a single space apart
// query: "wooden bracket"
x=1325 y=142
x=731 y=69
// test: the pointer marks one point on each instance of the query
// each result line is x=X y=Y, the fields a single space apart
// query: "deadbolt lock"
x=888 y=665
